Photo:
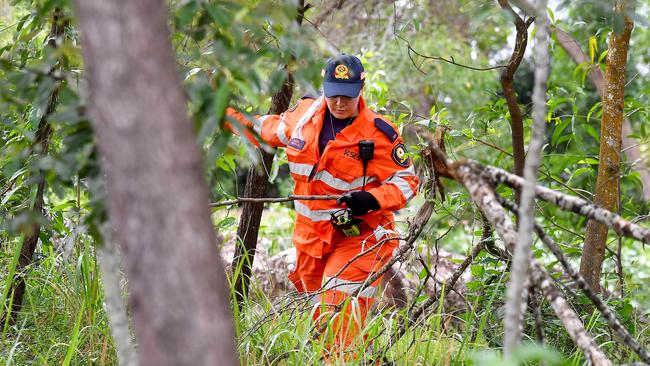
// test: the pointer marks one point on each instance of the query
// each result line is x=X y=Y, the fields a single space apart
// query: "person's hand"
x=359 y=202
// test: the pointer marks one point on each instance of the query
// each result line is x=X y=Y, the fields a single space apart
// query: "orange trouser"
x=336 y=276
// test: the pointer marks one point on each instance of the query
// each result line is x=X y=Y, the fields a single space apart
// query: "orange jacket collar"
x=360 y=125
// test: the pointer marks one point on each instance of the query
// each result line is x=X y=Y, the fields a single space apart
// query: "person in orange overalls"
x=336 y=145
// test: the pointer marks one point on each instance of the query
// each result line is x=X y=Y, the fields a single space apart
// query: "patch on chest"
x=400 y=157
x=352 y=154
x=296 y=143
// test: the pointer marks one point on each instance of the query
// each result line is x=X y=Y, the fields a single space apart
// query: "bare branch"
x=289 y=198
x=569 y=203
x=485 y=198
x=582 y=284
x=507 y=77
x=450 y=60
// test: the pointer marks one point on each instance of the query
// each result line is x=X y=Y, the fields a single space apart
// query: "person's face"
x=343 y=107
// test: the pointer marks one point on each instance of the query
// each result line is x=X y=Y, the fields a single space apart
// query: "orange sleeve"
x=244 y=125
x=394 y=168
x=274 y=129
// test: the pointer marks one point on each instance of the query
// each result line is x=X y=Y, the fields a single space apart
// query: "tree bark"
x=517 y=291
x=507 y=76
x=607 y=182
x=595 y=76
x=157 y=196
x=256 y=183
x=40 y=148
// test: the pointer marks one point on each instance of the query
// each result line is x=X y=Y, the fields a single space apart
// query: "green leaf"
x=550 y=14
x=64 y=206
x=593 y=47
x=477 y=271
x=558 y=131
x=227 y=222
x=594 y=108
x=592 y=132
x=589 y=161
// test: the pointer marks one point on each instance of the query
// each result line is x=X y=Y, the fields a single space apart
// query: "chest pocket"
x=341 y=168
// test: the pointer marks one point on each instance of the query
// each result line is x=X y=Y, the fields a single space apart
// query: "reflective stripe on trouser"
x=339 y=277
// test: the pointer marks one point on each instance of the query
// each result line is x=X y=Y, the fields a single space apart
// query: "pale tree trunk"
x=517 y=294
x=607 y=182
x=157 y=196
x=118 y=318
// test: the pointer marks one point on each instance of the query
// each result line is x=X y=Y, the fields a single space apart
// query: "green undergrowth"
x=280 y=332
x=62 y=321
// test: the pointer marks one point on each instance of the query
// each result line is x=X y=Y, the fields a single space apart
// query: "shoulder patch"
x=387 y=129
x=296 y=143
x=400 y=157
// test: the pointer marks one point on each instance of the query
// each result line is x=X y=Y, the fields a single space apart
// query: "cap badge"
x=341 y=72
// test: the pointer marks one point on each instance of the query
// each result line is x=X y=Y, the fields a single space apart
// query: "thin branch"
x=449 y=284
x=289 y=198
x=439 y=58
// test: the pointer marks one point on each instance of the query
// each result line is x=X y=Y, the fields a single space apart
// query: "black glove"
x=359 y=202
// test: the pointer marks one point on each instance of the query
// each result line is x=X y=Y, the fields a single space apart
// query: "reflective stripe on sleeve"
x=280 y=132
x=401 y=183
x=313 y=215
x=300 y=169
x=258 y=123
x=403 y=186
x=327 y=178
x=349 y=287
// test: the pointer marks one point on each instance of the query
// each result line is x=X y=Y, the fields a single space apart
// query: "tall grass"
x=62 y=321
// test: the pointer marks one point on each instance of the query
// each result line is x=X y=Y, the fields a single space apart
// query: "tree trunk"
x=517 y=296
x=607 y=182
x=40 y=147
x=595 y=76
x=256 y=183
x=157 y=196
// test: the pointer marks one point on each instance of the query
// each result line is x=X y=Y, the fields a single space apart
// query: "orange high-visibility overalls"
x=324 y=254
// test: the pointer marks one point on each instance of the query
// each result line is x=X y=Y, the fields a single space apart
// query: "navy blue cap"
x=343 y=75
